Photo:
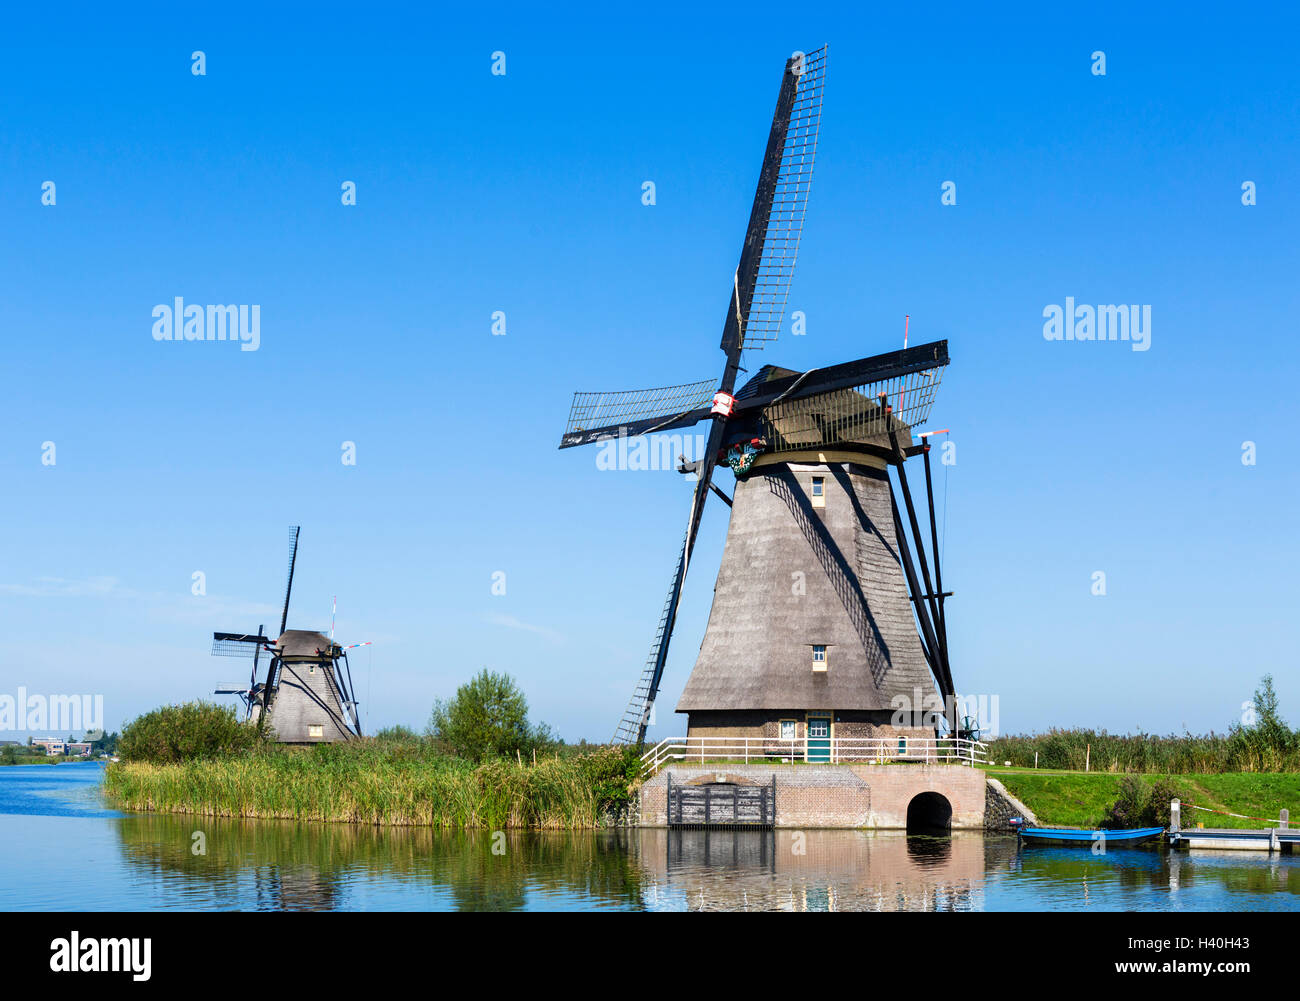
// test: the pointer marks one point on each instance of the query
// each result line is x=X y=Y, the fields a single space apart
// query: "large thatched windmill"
x=818 y=603
x=306 y=695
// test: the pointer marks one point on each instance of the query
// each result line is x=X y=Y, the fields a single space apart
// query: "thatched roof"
x=302 y=643
x=757 y=649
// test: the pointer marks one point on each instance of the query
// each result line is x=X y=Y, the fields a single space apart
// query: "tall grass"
x=381 y=782
x=1242 y=751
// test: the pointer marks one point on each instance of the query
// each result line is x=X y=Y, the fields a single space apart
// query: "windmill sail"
x=636 y=718
x=841 y=405
x=288 y=587
x=754 y=312
x=785 y=211
x=594 y=416
x=762 y=281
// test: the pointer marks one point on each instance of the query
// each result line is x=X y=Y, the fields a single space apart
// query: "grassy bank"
x=386 y=783
x=1080 y=799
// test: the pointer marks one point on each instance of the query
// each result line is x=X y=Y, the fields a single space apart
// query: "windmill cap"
x=305 y=643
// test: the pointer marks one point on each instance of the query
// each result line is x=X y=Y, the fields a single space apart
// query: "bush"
x=1140 y=805
x=1132 y=808
x=611 y=772
x=1161 y=793
x=487 y=719
x=185 y=733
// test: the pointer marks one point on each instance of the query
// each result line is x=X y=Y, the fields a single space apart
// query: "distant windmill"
x=306 y=696
x=812 y=620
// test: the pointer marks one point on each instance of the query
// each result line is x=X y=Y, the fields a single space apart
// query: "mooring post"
x=1175 y=815
x=1284 y=818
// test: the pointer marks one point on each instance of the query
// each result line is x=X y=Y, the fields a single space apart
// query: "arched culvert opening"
x=929 y=813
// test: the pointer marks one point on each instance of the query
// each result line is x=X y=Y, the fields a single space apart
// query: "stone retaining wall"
x=1000 y=807
x=813 y=796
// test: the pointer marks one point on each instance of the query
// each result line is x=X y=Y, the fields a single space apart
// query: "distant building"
x=79 y=747
x=52 y=745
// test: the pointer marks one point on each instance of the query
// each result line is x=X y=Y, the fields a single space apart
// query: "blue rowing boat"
x=1075 y=836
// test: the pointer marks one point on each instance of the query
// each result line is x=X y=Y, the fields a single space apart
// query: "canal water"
x=63 y=849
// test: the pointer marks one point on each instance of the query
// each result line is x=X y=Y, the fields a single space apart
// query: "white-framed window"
x=315 y=730
x=819 y=657
x=819 y=491
x=789 y=729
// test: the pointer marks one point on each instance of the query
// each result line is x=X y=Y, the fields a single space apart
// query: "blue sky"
x=522 y=193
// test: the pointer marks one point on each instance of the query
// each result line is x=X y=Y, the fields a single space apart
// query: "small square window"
x=819 y=654
x=316 y=730
x=789 y=729
x=819 y=486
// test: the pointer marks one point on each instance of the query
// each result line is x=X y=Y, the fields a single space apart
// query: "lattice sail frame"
x=851 y=415
x=238 y=647
x=596 y=410
x=785 y=222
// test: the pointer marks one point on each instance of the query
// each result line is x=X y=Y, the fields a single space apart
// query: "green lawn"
x=1080 y=799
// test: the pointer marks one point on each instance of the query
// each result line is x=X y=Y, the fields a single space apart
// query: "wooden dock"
x=1282 y=839
x=1224 y=838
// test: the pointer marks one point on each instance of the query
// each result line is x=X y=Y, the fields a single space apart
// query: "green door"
x=819 y=738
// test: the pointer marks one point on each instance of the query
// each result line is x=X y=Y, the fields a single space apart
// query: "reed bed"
x=381 y=784
x=1144 y=753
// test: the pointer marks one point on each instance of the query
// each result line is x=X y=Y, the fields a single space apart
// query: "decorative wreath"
x=740 y=456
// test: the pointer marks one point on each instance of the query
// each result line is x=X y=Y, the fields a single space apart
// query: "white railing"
x=788 y=750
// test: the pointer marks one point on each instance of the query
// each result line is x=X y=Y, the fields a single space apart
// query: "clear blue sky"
x=522 y=193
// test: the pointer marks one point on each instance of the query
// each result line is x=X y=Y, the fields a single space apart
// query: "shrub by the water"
x=1133 y=806
x=187 y=732
x=1140 y=805
x=611 y=772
